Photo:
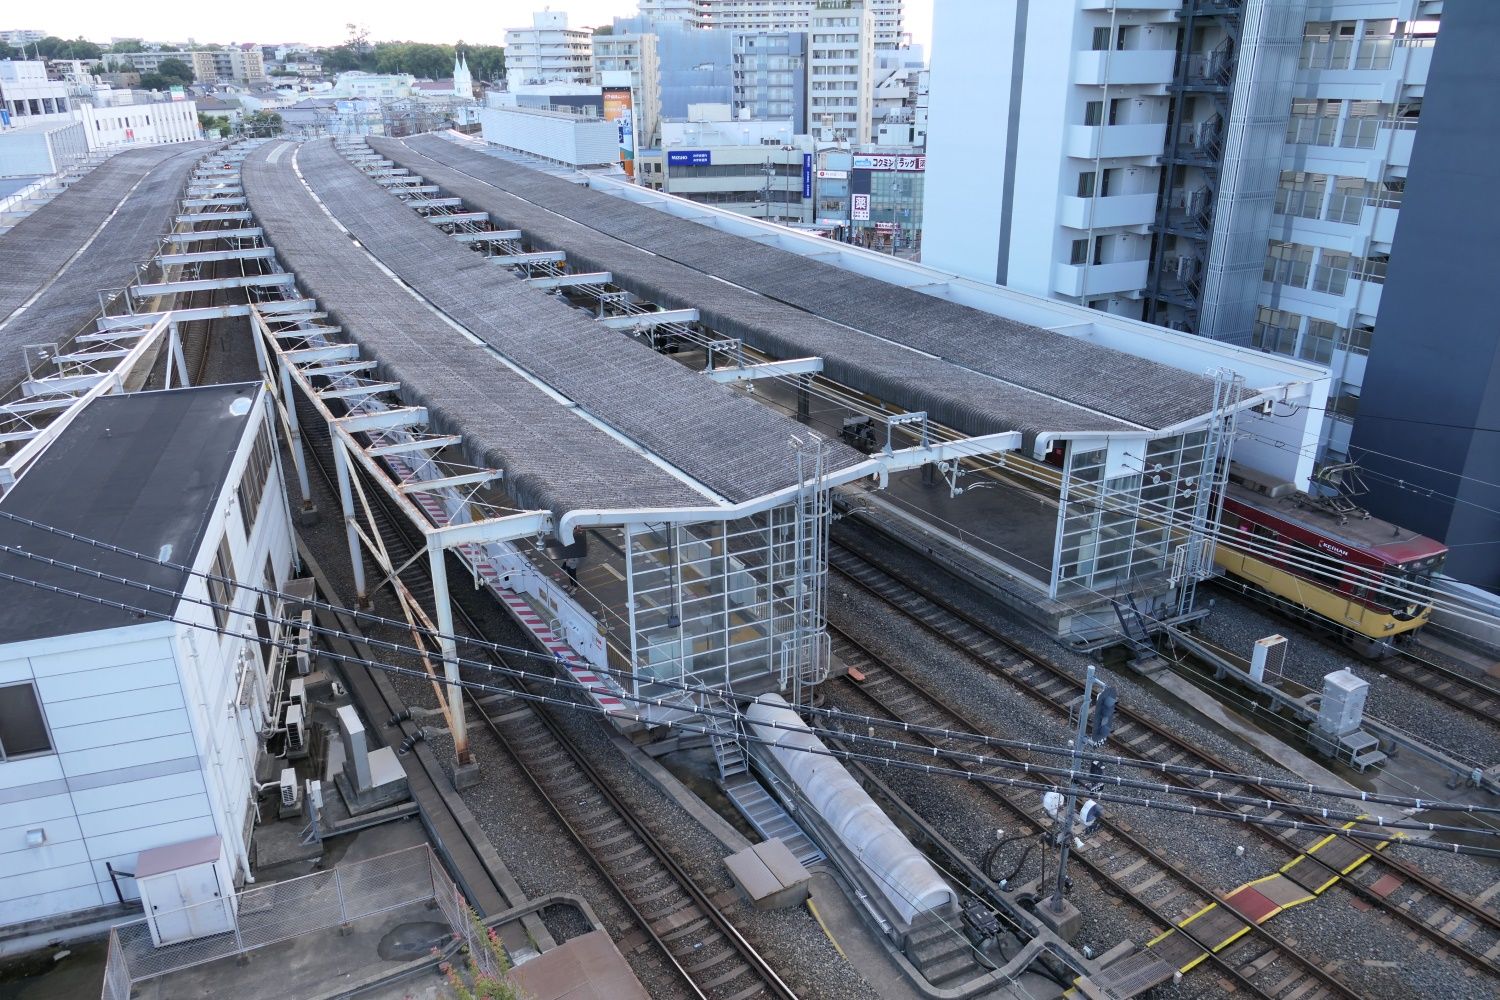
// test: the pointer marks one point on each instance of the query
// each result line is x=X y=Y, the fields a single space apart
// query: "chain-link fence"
x=279 y=911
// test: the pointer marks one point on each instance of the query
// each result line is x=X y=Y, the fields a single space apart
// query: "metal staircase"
x=758 y=806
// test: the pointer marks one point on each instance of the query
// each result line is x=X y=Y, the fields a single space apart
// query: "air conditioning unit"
x=296 y=741
x=297 y=694
x=291 y=792
x=1185 y=266
x=304 y=652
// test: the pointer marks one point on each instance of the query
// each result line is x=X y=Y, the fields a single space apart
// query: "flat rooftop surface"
x=142 y=471
x=1132 y=389
x=716 y=434
x=897 y=373
x=89 y=238
x=553 y=458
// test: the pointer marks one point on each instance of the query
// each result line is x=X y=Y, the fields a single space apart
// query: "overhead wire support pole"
x=1070 y=803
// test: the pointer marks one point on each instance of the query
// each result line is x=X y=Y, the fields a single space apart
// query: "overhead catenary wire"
x=833 y=714
x=1369 y=837
x=978 y=760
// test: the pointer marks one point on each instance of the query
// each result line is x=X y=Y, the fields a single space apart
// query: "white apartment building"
x=116 y=125
x=773 y=15
x=633 y=54
x=22 y=36
x=1229 y=167
x=548 y=51
x=841 y=71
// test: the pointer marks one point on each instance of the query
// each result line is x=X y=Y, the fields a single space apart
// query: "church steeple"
x=463 y=80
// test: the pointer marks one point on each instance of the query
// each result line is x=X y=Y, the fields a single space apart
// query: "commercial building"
x=772 y=15
x=41 y=149
x=548 y=51
x=633 y=54
x=116 y=125
x=841 y=71
x=1232 y=168
x=129 y=730
x=27 y=96
x=886 y=190
x=762 y=169
x=560 y=136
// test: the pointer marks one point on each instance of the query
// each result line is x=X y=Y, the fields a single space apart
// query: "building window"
x=1100 y=40
x=1348 y=202
x=1086 y=184
x=1093 y=113
x=253 y=485
x=1080 y=254
x=220 y=589
x=1332 y=275
x=1276 y=330
x=1321 y=339
x=1288 y=264
x=1300 y=194
x=23 y=728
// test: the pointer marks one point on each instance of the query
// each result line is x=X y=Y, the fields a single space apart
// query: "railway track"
x=1475 y=697
x=1427 y=908
x=1257 y=962
x=666 y=907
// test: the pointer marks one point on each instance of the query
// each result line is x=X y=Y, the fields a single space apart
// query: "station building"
x=129 y=719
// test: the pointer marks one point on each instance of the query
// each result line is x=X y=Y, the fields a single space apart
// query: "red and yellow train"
x=1368 y=578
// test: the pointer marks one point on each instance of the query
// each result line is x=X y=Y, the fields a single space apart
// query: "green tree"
x=128 y=45
x=177 y=70
x=156 y=81
x=261 y=124
x=605 y=29
x=486 y=62
x=213 y=123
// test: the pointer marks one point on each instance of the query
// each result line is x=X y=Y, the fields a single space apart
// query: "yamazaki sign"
x=887 y=162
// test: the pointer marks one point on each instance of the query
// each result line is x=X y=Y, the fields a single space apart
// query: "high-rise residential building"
x=634 y=53
x=888 y=16
x=549 y=51
x=770 y=76
x=841 y=70
x=1230 y=167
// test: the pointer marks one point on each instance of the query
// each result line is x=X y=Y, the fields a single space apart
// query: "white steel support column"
x=629 y=531
x=177 y=356
x=351 y=526
x=443 y=605
x=294 y=430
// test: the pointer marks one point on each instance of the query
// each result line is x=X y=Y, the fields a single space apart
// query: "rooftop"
x=142 y=471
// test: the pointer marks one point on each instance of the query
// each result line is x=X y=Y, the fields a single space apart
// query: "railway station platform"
x=899 y=352
x=60 y=261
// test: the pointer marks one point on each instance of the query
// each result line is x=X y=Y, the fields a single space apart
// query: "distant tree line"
x=434 y=62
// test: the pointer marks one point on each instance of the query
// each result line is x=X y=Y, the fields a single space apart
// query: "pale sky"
x=317 y=22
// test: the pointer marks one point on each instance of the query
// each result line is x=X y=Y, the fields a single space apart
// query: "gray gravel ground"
x=1204 y=847
x=1236 y=624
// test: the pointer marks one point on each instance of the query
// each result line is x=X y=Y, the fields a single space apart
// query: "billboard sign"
x=178 y=94
x=807 y=175
x=690 y=157
x=619 y=107
x=859 y=208
x=889 y=162
x=833 y=175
